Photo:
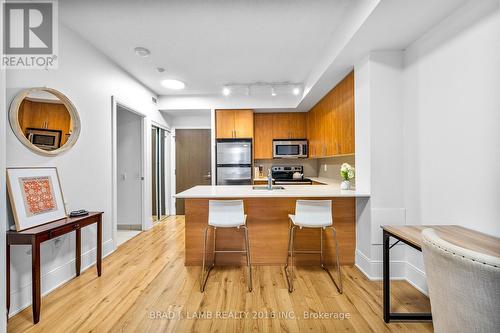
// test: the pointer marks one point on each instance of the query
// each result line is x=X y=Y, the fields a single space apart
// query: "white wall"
x=89 y=79
x=3 y=216
x=379 y=158
x=129 y=167
x=427 y=136
x=190 y=121
x=452 y=123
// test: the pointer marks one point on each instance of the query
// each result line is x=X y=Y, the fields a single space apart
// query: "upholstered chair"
x=464 y=287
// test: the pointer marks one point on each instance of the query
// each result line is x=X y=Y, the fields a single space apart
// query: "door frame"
x=114 y=165
x=173 y=161
x=167 y=166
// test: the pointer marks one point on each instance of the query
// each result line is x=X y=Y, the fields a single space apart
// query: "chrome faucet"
x=269 y=180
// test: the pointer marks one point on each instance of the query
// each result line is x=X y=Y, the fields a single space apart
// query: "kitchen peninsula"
x=267 y=220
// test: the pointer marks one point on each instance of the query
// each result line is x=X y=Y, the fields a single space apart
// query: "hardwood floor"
x=145 y=287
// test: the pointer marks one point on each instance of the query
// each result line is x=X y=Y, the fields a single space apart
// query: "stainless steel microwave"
x=45 y=139
x=290 y=148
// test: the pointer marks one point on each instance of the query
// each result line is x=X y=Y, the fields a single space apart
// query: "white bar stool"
x=312 y=214
x=225 y=214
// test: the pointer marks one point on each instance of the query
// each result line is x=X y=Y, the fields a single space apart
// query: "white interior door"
x=129 y=169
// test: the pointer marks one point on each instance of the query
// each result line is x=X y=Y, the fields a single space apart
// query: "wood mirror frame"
x=16 y=127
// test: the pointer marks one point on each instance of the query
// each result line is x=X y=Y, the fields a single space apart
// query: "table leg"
x=78 y=250
x=7 y=282
x=35 y=279
x=386 y=277
x=99 y=246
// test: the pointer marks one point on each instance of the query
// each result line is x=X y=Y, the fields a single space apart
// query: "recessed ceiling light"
x=296 y=91
x=226 y=91
x=273 y=92
x=173 y=84
x=142 y=52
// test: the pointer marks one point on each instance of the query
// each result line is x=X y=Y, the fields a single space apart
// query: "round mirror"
x=44 y=120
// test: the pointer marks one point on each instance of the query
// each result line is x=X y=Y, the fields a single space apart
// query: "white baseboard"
x=416 y=277
x=21 y=298
x=400 y=270
x=373 y=268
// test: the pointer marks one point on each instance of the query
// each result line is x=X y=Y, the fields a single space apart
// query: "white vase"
x=345 y=185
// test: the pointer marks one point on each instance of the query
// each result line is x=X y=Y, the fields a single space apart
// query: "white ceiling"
x=208 y=44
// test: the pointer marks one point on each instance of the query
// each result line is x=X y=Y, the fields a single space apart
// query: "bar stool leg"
x=339 y=286
x=249 y=261
x=290 y=276
x=289 y=250
x=204 y=277
x=214 y=247
x=338 y=259
x=321 y=248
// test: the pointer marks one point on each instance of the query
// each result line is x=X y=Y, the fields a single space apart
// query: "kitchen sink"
x=264 y=187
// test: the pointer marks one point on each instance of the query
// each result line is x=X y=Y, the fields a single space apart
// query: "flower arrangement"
x=347 y=172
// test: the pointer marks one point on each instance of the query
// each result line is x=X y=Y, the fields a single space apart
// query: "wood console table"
x=37 y=235
x=411 y=235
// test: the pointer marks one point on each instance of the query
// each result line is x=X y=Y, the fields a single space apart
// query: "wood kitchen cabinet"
x=234 y=124
x=263 y=135
x=277 y=126
x=312 y=133
x=331 y=122
x=328 y=126
x=45 y=116
x=289 y=125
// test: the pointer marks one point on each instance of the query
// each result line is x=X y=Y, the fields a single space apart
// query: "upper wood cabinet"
x=230 y=124
x=289 y=125
x=276 y=126
x=263 y=137
x=331 y=122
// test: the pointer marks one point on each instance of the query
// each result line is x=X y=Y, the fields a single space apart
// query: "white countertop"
x=246 y=191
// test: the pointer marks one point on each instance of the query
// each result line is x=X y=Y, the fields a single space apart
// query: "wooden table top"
x=454 y=234
x=54 y=224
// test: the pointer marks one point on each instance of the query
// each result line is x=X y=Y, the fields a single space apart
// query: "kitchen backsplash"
x=310 y=165
x=313 y=167
x=333 y=167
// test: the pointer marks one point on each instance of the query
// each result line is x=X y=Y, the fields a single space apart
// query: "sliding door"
x=159 y=164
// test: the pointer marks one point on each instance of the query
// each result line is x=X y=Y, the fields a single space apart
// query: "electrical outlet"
x=325 y=167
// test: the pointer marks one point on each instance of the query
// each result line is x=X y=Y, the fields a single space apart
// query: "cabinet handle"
x=338 y=148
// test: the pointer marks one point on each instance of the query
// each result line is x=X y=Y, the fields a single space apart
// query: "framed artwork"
x=35 y=196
